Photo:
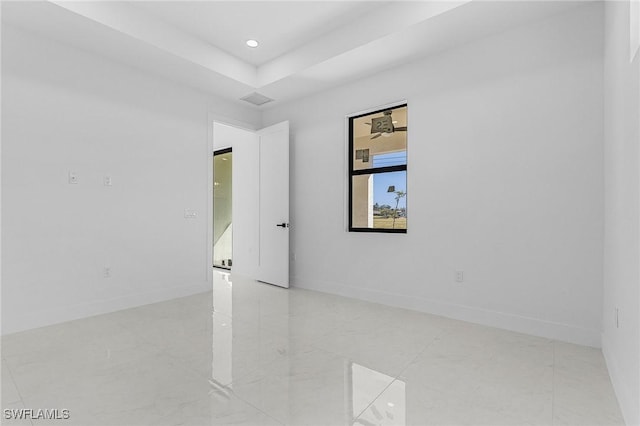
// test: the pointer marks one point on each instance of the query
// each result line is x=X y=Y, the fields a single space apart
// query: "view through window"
x=378 y=171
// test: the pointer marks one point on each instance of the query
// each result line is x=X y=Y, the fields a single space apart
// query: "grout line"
x=374 y=400
x=405 y=368
x=553 y=386
x=255 y=407
x=13 y=380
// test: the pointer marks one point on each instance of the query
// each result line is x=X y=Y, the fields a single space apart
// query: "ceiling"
x=305 y=46
x=280 y=26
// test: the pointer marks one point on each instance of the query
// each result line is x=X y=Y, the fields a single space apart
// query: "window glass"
x=378 y=171
x=378 y=135
x=379 y=200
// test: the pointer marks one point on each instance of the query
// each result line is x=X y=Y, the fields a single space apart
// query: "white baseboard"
x=629 y=406
x=61 y=314
x=507 y=321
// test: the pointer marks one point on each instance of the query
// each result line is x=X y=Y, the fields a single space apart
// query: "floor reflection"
x=273 y=356
x=390 y=410
x=222 y=360
x=264 y=354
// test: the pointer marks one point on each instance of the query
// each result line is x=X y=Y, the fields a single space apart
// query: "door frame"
x=219 y=151
x=213 y=118
x=250 y=252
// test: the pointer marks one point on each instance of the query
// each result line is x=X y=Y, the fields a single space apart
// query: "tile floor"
x=269 y=356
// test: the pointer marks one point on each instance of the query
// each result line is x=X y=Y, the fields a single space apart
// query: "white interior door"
x=273 y=266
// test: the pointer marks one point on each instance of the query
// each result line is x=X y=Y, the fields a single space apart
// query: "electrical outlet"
x=107 y=181
x=459 y=276
x=107 y=271
x=190 y=214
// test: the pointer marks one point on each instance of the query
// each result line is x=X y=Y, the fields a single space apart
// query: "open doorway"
x=250 y=230
x=222 y=208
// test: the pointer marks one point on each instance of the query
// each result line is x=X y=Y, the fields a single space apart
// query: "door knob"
x=283 y=225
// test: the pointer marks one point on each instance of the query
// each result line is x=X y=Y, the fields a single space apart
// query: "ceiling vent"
x=256 y=99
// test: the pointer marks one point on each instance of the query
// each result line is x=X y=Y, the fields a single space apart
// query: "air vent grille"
x=256 y=99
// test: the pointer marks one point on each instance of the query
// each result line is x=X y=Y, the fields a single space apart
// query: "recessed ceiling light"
x=252 y=43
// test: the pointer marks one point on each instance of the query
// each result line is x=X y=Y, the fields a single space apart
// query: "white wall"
x=621 y=346
x=505 y=182
x=64 y=109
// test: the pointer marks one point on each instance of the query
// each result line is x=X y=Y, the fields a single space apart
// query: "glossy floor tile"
x=253 y=354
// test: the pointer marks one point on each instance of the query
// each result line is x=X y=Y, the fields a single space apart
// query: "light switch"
x=73 y=177
x=190 y=214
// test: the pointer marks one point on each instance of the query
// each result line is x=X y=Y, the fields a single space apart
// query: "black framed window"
x=378 y=171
